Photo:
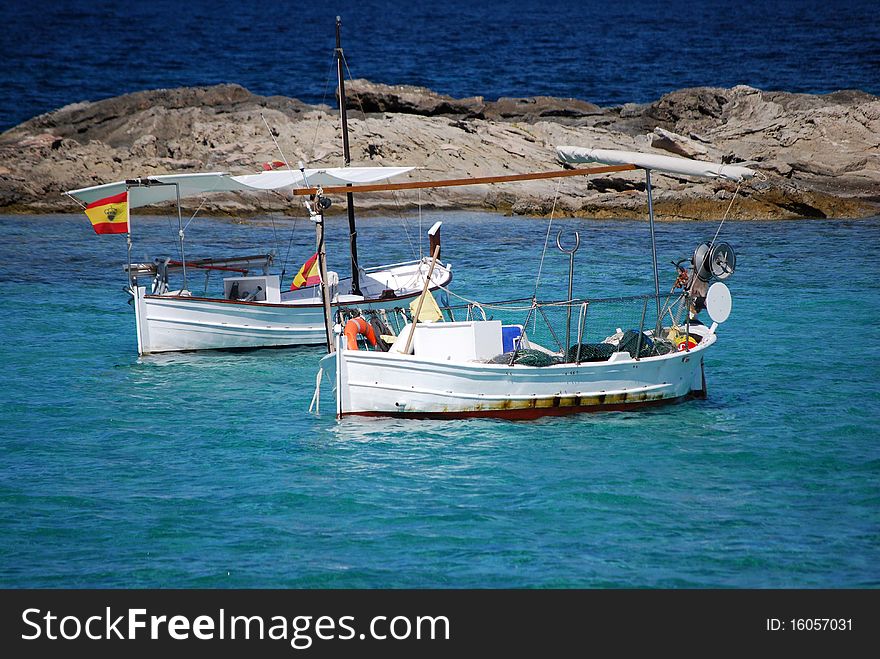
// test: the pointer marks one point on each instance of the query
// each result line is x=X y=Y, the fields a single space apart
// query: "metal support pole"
x=518 y=344
x=128 y=236
x=687 y=331
x=577 y=243
x=641 y=330
x=180 y=234
x=325 y=287
x=582 y=319
x=653 y=245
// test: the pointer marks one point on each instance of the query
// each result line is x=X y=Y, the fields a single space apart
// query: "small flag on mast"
x=308 y=274
x=109 y=215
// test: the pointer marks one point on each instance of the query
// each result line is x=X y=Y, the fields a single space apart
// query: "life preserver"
x=356 y=326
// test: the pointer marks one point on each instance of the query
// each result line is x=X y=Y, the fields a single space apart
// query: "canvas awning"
x=156 y=189
x=660 y=163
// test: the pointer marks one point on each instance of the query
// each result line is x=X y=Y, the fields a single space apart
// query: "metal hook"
x=577 y=243
x=570 y=252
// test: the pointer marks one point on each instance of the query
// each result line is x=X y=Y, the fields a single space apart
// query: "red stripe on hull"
x=531 y=413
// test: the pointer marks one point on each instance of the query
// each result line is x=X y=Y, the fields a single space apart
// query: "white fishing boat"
x=528 y=358
x=248 y=307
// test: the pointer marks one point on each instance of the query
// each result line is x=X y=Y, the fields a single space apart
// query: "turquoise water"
x=205 y=470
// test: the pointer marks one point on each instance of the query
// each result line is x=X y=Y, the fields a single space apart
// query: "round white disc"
x=718 y=302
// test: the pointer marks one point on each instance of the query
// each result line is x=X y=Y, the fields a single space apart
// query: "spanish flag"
x=308 y=274
x=109 y=215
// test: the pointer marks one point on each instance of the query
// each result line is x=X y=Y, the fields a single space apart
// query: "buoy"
x=357 y=326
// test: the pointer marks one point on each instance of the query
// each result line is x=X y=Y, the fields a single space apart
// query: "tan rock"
x=818 y=155
x=677 y=144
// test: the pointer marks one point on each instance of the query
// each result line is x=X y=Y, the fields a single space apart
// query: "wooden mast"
x=346 y=154
x=452 y=182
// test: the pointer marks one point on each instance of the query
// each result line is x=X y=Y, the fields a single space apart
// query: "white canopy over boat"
x=660 y=163
x=155 y=189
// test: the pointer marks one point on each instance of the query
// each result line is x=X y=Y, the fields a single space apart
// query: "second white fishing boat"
x=535 y=358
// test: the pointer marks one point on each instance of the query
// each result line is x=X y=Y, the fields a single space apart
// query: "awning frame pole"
x=653 y=247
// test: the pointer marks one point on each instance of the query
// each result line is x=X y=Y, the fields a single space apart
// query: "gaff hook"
x=577 y=243
x=570 y=252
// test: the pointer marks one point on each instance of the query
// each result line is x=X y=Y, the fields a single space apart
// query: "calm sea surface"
x=55 y=52
x=205 y=470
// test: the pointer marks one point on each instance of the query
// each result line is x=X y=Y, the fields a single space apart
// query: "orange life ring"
x=357 y=326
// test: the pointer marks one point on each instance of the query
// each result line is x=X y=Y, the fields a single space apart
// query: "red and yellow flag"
x=308 y=274
x=109 y=215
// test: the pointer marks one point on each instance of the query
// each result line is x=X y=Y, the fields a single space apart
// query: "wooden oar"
x=412 y=330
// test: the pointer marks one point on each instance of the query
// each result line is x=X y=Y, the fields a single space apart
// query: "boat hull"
x=167 y=323
x=382 y=384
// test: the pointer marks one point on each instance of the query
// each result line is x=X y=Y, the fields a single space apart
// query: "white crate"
x=460 y=341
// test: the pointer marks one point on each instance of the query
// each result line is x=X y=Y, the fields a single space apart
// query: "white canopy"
x=150 y=190
x=668 y=164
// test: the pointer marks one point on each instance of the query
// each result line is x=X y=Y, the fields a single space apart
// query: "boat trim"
x=536 y=410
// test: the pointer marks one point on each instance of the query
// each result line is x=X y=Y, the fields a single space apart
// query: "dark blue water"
x=204 y=470
x=55 y=52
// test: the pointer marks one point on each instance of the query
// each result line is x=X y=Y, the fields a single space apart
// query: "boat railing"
x=379 y=268
x=581 y=329
x=591 y=329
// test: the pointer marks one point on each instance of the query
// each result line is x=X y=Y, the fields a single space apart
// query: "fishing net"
x=592 y=330
x=525 y=357
x=590 y=352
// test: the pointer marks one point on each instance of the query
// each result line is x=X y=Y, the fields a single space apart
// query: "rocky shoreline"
x=817 y=155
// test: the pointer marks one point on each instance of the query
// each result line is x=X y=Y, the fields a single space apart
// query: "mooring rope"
x=547 y=237
x=729 y=206
x=323 y=98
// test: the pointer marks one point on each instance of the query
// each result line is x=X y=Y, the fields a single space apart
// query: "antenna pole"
x=346 y=154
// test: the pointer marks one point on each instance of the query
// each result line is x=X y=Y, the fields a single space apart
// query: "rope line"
x=350 y=78
x=547 y=237
x=729 y=206
x=323 y=98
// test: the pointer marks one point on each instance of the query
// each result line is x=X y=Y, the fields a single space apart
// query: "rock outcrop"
x=817 y=155
x=366 y=96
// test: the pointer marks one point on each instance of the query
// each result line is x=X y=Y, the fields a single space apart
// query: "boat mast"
x=346 y=154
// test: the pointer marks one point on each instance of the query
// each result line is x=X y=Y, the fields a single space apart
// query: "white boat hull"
x=168 y=323
x=387 y=384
